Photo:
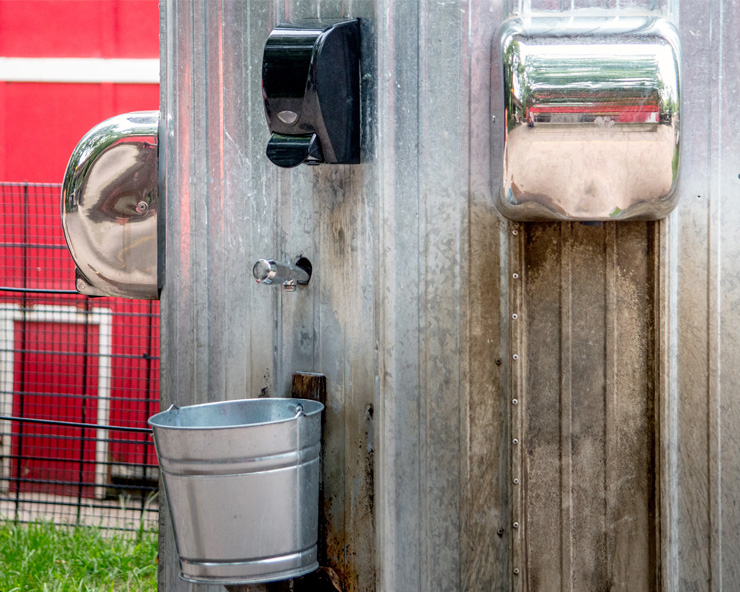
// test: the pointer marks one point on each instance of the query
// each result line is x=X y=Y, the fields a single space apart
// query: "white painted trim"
x=85 y=70
x=9 y=314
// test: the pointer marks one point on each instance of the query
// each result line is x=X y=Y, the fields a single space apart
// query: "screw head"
x=515 y=232
x=515 y=525
x=516 y=571
x=515 y=441
x=515 y=276
x=142 y=207
x=516 y=481
x=515 y=316
x=515 y=357
x=515 y=401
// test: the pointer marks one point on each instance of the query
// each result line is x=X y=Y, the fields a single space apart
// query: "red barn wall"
x=41 y=122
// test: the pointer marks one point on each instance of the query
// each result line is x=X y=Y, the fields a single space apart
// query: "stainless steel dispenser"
x=109 y=207
x=591 y=111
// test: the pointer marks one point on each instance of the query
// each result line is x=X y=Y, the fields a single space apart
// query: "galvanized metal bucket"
x=242 y=484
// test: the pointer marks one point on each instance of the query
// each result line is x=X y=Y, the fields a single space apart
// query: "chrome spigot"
x=270 y=272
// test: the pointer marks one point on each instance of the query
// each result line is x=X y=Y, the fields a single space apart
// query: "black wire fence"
x=79 y=377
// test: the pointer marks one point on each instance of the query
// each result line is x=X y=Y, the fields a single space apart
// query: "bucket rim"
x=318 y=407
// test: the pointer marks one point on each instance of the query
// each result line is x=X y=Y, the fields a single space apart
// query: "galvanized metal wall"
x=704 y=321
x=626 y=335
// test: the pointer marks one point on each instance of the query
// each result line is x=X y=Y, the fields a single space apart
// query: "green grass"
x=42 y=557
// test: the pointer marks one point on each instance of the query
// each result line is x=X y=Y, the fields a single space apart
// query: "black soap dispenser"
x=311 y=89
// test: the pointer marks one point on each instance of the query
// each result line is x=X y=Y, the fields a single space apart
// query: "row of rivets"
x=515 y=401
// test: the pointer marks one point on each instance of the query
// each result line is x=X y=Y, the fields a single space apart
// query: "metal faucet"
x=270 y=272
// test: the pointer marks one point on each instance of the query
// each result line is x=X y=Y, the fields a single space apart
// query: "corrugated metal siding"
x=704 y=353
x=441 y=434
x=628 y=406
x=229 y=206
x=584 y=407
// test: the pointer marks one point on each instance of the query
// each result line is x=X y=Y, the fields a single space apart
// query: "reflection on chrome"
x=591 y=110
x=109 y=207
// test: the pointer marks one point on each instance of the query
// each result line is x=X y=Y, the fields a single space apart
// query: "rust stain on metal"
x=312 y=385
x=345 y=549
x=336 y=552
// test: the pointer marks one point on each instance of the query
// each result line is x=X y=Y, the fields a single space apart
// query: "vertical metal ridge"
x=198 y=126
x=213 y=200
x=657 y=270
x=665 y=307
x=487 y=556
x=422 y=228
x=546 y=501
x=443 y=196
x=254 y=22
x=714 y=278
x=462 y=270
x=566 y=408
x=611 y=449
x=398 y=178
x=387 y=478
x=467 y=303
x=693 y=512
x=728 y=297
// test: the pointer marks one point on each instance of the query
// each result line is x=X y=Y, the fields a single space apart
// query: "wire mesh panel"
x=79 y=377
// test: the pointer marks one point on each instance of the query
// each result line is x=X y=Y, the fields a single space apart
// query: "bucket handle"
x=173 y=407
x=299 y=411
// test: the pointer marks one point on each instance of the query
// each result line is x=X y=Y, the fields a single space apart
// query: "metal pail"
x=242 y=484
